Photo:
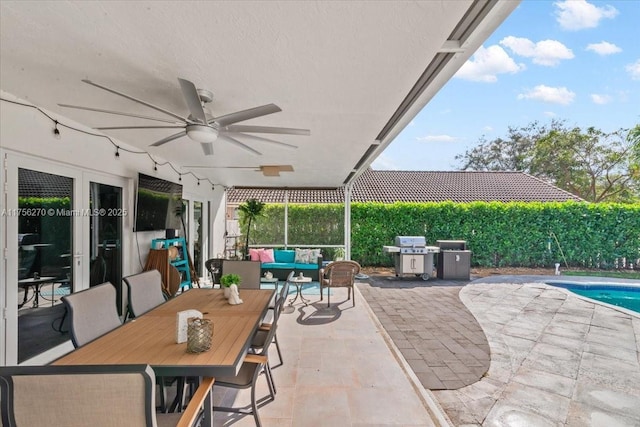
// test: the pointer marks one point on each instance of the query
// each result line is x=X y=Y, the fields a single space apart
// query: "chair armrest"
x=255 y=358
x=197 y=400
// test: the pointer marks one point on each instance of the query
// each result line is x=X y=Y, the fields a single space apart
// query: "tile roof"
x=421 y=186
x=33 y=183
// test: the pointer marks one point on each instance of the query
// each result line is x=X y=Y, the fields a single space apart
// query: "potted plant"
x=226 y=280
x=250 y=210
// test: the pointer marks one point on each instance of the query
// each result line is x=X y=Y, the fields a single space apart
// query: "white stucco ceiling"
x=340 y=69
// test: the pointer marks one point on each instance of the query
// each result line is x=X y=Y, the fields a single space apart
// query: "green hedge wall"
x=498 y=234
x=313 y=224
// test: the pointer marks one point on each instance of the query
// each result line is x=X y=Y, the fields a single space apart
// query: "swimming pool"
x=619 y=295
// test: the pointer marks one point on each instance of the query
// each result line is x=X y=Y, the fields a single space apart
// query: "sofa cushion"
x=287 y=266
x=284 y=255
x=254 y=254
x=267 y=255
x=314 y=254
x=302 y=256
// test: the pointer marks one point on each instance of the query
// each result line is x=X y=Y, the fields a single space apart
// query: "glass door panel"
x=45 y=268
x=197 y=237
x=105 y=237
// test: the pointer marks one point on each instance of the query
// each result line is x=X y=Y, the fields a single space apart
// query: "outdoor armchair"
x=339 y=274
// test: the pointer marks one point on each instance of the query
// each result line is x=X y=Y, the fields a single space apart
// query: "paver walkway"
x=436 y=334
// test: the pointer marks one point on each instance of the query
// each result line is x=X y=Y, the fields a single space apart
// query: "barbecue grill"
x=412 y=256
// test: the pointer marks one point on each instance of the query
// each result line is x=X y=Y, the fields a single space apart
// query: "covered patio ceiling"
x=353 y=73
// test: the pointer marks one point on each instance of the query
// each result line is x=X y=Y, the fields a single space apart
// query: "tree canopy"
x=589 y=163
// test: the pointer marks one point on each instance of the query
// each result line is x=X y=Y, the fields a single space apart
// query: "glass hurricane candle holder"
x=199 y=335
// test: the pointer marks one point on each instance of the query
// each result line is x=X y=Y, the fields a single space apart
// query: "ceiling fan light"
x=202 y=133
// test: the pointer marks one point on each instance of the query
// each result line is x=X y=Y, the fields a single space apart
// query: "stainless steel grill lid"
x=411 y=241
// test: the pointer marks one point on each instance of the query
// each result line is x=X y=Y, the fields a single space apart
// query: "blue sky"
x=572 y=60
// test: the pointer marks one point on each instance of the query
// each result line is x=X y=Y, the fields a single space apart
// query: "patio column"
x=347 y=220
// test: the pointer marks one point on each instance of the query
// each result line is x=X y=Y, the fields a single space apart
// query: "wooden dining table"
x=151 y=338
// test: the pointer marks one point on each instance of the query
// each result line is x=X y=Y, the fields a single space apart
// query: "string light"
x=57 y=135
x=56 y=131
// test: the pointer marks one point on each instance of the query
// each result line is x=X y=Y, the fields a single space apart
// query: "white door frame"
x=13 y=162
x=80 y=238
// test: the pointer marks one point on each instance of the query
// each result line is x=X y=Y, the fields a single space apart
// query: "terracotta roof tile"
x=422 y=186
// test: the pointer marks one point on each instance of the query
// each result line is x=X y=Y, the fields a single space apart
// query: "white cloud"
x=383 y=162
x=600 y=99
x=487 y=63
x=437 y=138
x=487 y=129
x=553 y=95
x=549 y=114
x=634 y=70
x=604 y=48
x=579 y=14
x=544 y=52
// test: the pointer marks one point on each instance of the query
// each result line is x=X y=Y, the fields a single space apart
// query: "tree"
x=510 y=154
x=591 y=164
x=249 y=210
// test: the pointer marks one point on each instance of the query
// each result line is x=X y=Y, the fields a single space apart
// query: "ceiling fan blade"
x=100 y=110
x=192 y=98
x=267 y=129
x=207 y=148
x=234 y=141
x=162 y=110
x=139 y=127
x=259 y=138
x=251 y=113
x=169 y=138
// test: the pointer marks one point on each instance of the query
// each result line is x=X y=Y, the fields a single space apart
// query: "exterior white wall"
x=25 y=130
x=26 y=138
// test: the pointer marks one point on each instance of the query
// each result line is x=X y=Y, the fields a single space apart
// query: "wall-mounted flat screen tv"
x=158 y=204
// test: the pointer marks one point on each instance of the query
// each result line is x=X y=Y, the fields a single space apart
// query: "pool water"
x=622 y=296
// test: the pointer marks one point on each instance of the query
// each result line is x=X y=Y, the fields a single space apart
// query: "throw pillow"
x=254 y=254
x=302 y=256
x=266 y=255
x=314 y=254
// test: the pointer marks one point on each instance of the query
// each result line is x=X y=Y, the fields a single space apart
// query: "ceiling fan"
x=200 y=125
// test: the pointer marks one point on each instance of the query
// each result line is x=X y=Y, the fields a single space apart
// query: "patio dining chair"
x=144 y=292
x=260 y=337
x=92 y=313
x=88 y=395
x=339 y=274
x=247 y=376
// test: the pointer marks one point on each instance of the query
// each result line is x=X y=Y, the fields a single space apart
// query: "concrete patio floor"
x=339 y=370
x=556 y=359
